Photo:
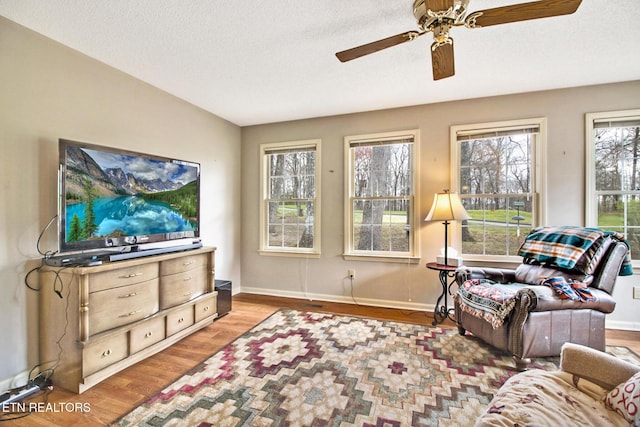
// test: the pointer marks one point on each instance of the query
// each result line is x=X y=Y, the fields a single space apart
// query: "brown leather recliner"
x=541 y=322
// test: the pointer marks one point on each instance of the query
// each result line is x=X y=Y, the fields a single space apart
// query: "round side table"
x=442 y=310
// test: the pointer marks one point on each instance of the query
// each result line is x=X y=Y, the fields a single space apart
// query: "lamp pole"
x=446 y=241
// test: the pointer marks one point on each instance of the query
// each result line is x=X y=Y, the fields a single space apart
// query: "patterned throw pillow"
x=625 y=399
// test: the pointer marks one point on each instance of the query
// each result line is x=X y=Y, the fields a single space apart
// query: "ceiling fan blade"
x=366 y=49
x=442 y=60
x=521 y=12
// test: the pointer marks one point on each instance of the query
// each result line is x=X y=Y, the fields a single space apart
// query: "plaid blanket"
x=565 y=246
x=488 y=300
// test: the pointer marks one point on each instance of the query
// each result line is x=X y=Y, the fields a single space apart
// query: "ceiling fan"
x=439 y=16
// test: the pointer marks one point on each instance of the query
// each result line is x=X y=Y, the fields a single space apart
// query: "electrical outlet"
x=636 y=292
x=351 y=274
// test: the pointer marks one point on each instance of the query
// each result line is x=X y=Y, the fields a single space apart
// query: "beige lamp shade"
x=447 y=207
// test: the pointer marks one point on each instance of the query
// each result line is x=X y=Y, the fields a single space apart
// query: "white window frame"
x=591 y=194
x=538 y=180
x=413 y=256
x=265 y=249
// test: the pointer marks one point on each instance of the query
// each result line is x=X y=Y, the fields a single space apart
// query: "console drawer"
x=120 y=306
x=183 y=264
x=122 y=277
x=142 y=336
x=103 y=353
x=182 y=287
x=179 y=320
x=205 y=308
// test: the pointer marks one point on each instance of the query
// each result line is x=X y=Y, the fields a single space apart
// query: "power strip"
x=33 y=386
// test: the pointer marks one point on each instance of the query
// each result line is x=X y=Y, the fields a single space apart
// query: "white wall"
x=413 y=286
x=48 y=91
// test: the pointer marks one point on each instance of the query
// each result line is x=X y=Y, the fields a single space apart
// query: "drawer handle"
x=188 y=262
x=180 y=320
x=187 y=293
x=129 y=314
x=106 y=353
x=148 y=334
x=132 y=294
x=128 y=276
x=186 y=279
x=206 y=308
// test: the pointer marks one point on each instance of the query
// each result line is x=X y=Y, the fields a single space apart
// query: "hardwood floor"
x=119 y=394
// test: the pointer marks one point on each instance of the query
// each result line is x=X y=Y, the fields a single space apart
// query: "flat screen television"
x=116 y=199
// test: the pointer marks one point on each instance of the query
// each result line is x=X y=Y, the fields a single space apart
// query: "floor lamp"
x=447 y=207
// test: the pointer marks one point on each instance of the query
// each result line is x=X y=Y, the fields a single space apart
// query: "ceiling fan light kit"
x=439 y=16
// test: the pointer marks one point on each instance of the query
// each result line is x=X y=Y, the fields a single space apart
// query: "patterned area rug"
x=314 y=369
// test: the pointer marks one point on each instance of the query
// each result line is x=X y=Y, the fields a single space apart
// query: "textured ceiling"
x=260 y=62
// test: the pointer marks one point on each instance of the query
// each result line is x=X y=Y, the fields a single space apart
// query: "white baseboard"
x=17 y=381
x=624 y=326
x=404 y=305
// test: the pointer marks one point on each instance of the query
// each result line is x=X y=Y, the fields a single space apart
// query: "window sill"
x=492 y=261
x=290 y=254
x=382 y=258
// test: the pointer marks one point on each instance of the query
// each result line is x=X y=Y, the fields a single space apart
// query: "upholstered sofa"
x=514 y=311
x=588 y=390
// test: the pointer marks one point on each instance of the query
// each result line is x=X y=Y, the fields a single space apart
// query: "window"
x=496 y=169
x=613 y=174
x=290 y=208
x=381 y=215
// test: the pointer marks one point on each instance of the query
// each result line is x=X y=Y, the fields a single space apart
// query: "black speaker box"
x=224 y=296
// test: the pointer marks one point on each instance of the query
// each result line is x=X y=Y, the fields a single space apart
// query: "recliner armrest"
x=596 y=366
x=547 y=300
x=501 y=275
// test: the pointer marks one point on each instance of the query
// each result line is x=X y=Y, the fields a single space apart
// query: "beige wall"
x=413 y=286
x=48 y=91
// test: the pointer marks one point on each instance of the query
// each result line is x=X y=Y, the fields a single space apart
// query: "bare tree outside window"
x=496 y=183
x=381 y=195
x=616 y=148
x=290 y=182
